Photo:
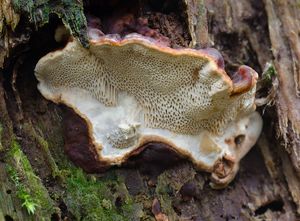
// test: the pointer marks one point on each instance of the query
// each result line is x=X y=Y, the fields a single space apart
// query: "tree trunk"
x=37 y=180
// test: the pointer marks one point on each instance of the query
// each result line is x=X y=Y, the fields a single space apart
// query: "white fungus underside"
x=105 y=119
x=184 y=93
x=181 y=99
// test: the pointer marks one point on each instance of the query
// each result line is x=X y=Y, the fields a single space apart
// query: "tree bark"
x=38 y=182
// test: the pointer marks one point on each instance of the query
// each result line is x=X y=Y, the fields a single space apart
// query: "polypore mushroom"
x=133 y=91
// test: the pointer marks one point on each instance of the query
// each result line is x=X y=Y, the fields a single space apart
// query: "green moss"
x=89 y=198
x=269 y=73
x=28 y=128
x=52 y=142
x=29 y=188
x=70 y=11
x=1 y=130
x=22 y=193
x=168 y=186
x=165 y=194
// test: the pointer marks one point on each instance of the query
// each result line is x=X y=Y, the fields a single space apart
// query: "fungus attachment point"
x=132 y=91
x=215 y=54
x=246 y=131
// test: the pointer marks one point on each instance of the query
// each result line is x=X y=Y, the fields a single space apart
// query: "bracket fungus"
x=134 y=90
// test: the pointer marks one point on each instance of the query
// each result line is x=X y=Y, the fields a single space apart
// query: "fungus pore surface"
x=134 y=90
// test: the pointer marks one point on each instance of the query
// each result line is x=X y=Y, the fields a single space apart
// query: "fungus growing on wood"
x=133 y=91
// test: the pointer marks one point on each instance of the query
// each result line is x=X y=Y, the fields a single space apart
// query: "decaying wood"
x=197 y=22
x=248 y=32
x=284 y=27
x=8 y=22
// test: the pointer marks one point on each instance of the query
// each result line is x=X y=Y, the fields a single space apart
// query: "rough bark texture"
x=38 y=182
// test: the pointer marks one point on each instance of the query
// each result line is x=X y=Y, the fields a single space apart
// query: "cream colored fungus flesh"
x=133 y=91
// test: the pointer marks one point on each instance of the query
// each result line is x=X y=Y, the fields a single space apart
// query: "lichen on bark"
x=70 y=11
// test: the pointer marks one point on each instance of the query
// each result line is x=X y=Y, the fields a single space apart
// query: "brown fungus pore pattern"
x=134 y=90
x=182 y=91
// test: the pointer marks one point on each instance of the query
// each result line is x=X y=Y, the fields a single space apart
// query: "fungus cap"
x=133 y=91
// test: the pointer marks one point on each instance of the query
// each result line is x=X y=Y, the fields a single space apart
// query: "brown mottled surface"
x=285 y=41
x=267 y=186
x=161 y=21
x=78 y=145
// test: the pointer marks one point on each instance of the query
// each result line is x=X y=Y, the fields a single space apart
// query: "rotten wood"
x=284 y=27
